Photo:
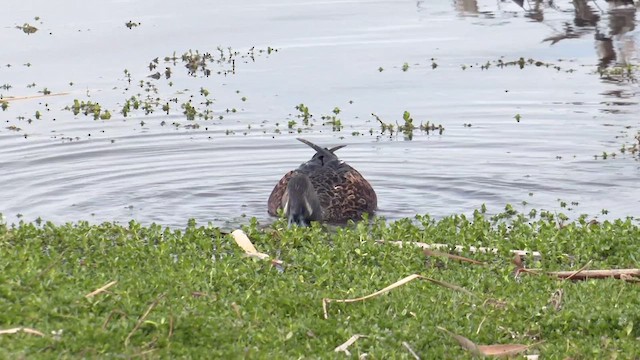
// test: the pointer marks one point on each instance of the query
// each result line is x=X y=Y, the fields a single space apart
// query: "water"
x=161 y=168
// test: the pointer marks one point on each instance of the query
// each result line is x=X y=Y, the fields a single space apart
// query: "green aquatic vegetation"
x=430 y=127
x=147 y=98
x=405 y=67
x=106 y=115
x=517 y=117
x=108 y=290
x=130 y=24
x=189 y=111
x=37 y=115
x=87 y=108
x=407 y=127
x=520 y=63
x=127 y=75
x=4 y=105
x=333 y=120
x=27 y=29
x=5 y=87
x=619 y=72
x=384 y=127
x=304 y=114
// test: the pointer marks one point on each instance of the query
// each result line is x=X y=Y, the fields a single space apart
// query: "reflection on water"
x=562 y=128
x=607 y=22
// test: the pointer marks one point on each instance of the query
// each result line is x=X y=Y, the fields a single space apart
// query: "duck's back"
x=344 y=194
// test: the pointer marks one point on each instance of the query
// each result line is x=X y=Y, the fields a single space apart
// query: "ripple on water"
x=70 y=168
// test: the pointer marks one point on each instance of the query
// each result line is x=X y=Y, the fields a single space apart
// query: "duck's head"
x=300 y=201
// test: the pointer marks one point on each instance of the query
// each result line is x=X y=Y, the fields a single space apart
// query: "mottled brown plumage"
x=342 y=192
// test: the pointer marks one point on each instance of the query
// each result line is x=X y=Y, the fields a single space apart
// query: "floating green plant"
x=620 y=73
x=87 y=108
x=384 y=127
x=429 y=127
x=304 y=114
x=27 y=29
x=407 y=126
x=189 y=111
x=130 y=24
x=147 y=99
x=520 y=63
x=333 y=120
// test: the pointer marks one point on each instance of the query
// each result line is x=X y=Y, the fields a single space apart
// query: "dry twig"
x=326 y=301
x=21 y=329
x=100 y=289
x=141 y=319
x=344 y=347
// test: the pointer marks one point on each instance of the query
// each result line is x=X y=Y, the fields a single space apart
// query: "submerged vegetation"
x=110 y=290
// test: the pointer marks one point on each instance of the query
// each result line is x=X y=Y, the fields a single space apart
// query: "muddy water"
x=345 y=54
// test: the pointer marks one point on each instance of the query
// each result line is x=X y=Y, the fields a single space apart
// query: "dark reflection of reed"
x=607 y=27
x=608 y=21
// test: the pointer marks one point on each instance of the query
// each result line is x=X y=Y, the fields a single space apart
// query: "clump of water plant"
x=130 y=24
x=430 y=127
x=520 y=63
x=27 y=29
x=304 y=114
x=407 y=126
x=384 y=127
x=143 y=95
x=619 y=73
x=88 y=108
x=333 y=120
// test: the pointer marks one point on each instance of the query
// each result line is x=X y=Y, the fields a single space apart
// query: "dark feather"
x=343 y=193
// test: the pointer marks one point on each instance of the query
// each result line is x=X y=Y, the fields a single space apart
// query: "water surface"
x=345 y=54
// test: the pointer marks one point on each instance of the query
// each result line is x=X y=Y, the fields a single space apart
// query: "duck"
x=323 y=189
